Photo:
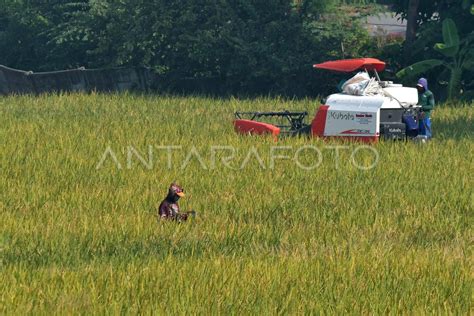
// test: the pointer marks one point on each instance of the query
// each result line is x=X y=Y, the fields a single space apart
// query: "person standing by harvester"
x=427 y=102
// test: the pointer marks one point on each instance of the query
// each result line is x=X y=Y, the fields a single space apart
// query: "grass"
x=76 y=239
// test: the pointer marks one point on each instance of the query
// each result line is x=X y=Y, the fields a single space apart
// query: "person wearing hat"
x=169 y=207
x=427 y=102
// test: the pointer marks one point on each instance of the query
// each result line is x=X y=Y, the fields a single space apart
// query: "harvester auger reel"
x=295 y=124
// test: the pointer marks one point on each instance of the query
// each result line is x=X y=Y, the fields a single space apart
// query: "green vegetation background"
x=223 y=47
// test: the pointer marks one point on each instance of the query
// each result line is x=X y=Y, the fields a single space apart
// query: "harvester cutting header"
x=365 y=109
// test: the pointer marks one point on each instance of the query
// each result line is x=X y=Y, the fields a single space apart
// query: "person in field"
x=427 y=102
x=169 y=207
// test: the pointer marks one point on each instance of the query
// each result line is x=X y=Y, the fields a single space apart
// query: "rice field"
x=308 y=227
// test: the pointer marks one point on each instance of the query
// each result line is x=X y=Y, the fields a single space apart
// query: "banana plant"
x=466 y=4
x=459 y=56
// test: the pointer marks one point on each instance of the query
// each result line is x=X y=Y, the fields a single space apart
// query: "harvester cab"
x=366 y=109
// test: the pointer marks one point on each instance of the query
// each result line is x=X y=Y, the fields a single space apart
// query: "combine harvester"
x=366 y=109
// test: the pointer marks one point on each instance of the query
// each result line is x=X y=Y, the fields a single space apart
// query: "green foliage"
x=419 y=68
x=44 y=35
x=247 y=45
x=359 y=2
x=80 y=240
x=460 y=54
x=442 y=9
x=450 y=47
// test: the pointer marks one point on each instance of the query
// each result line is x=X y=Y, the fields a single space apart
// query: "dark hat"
x=176 y=189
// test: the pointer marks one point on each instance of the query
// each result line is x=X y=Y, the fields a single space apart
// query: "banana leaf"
x=468 y=65
x=419 y=68
x=450 y=35
x=449 y=51
x=468 y=62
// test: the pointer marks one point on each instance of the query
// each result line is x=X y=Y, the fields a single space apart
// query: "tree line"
x=222 y=46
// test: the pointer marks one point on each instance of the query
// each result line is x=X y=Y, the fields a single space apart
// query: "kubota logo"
x=342 y=116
